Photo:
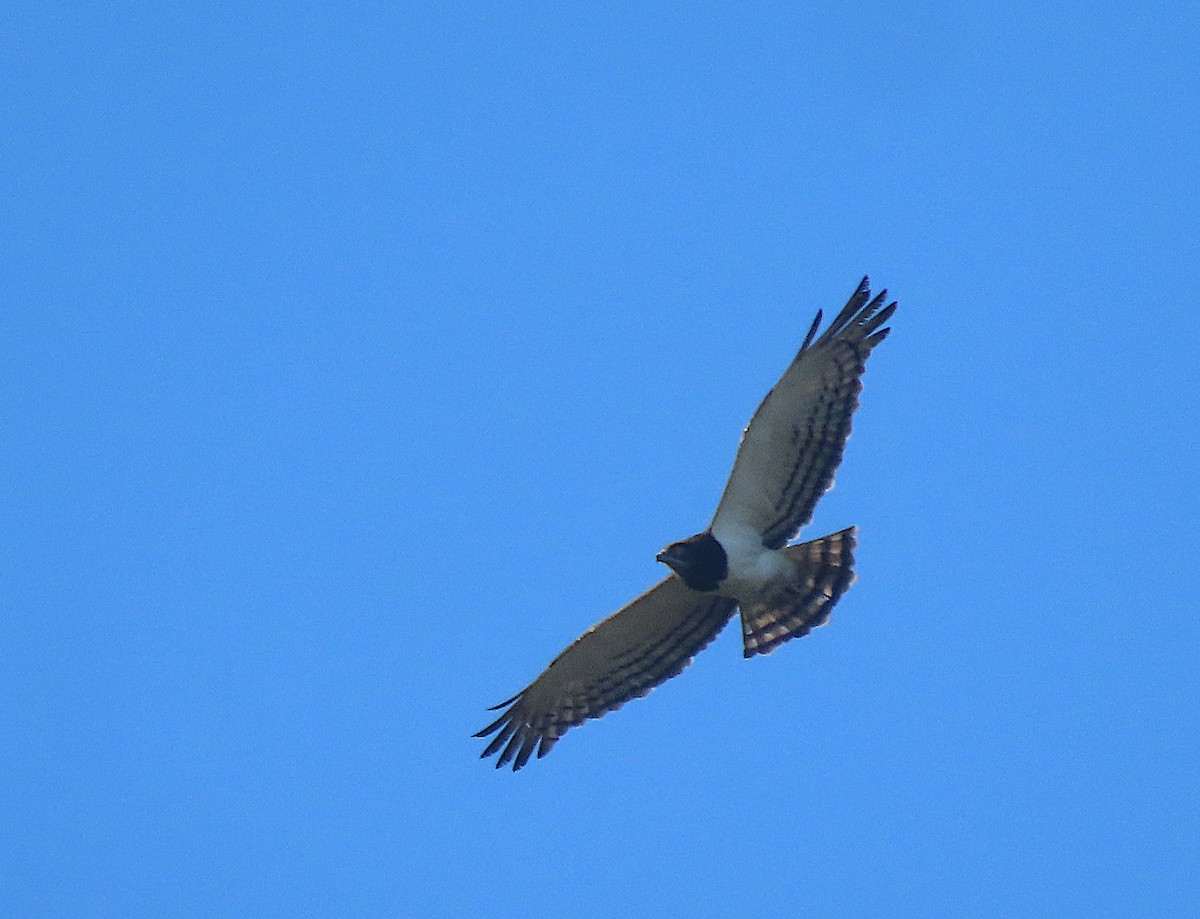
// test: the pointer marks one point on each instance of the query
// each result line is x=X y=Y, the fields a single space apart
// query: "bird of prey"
x=784 y=463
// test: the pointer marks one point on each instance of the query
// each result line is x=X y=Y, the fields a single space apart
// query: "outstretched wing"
x=619 y=658
x=794 y=441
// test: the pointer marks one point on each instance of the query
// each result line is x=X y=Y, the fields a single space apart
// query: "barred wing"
x=619 y=658
x=794 y=441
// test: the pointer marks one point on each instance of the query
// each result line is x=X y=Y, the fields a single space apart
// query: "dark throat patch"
x=700 y=561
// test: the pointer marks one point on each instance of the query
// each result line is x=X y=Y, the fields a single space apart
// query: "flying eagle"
x=784 y=463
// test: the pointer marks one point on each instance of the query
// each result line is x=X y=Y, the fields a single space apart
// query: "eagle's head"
x=699 y=560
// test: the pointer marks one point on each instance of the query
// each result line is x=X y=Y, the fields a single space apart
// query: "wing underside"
x=794 y=441
x=620 y=658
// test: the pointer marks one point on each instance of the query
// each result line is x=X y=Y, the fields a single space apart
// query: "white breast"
x=751 y=565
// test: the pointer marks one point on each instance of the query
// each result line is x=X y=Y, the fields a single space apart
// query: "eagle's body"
x=785 y=462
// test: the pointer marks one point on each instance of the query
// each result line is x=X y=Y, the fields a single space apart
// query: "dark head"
x=699 y=560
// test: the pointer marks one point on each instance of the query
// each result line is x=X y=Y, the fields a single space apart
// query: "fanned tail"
x=824 y=571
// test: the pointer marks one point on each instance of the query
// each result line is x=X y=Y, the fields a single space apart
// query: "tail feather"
x=824 y=571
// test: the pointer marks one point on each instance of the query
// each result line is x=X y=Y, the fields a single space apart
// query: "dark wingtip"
x=871 y=329
x=863 y=292
x=812 y=330
x=866 y=312
x=500 y=705
x=495 y=725
x=515 y=742
x=527 y=748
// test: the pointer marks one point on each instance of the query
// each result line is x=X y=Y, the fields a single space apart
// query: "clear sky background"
x=354 y=358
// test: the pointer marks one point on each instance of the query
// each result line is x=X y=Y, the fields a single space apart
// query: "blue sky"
x=354 y=359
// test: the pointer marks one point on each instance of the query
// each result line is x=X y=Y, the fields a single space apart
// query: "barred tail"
x=824 y=571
